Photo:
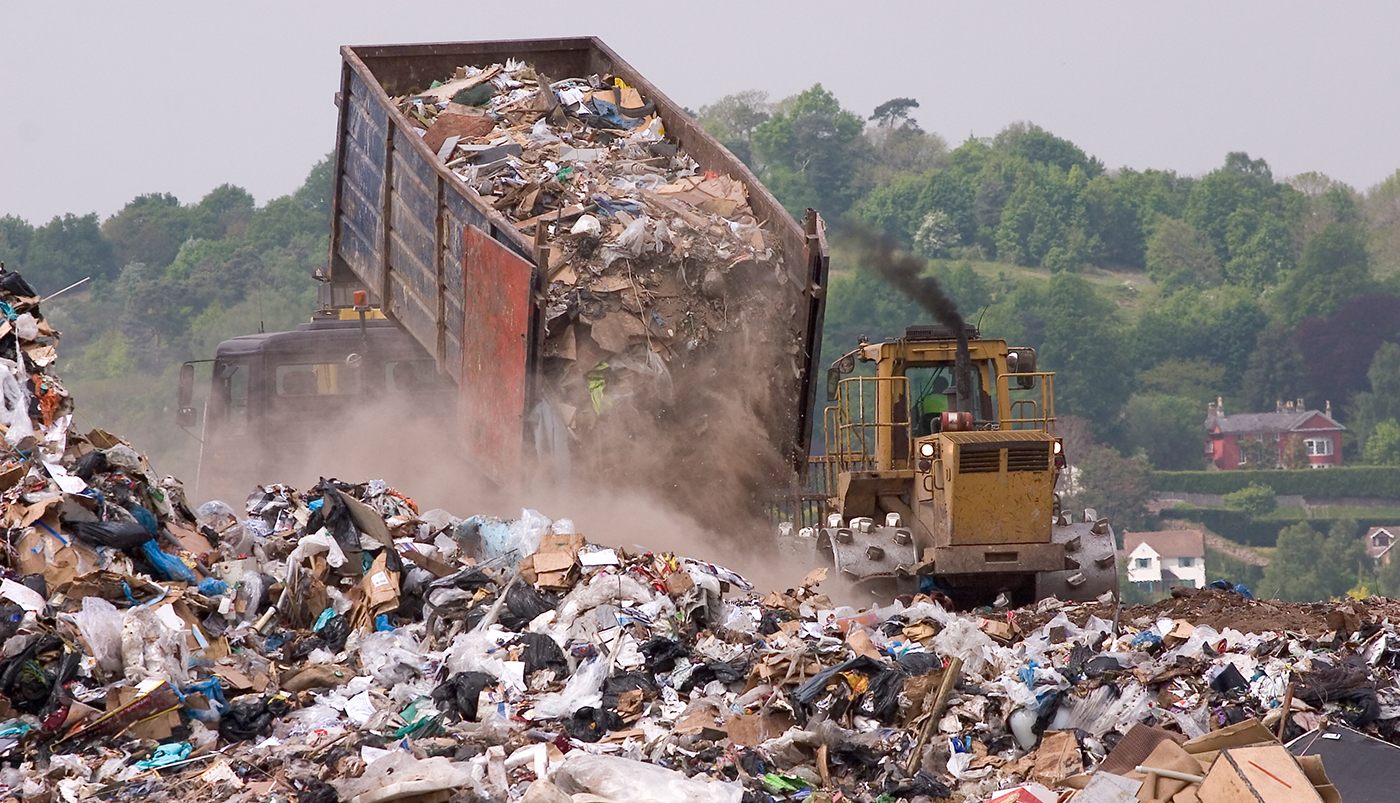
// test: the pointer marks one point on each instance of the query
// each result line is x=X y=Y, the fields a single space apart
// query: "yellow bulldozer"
x=941 y=470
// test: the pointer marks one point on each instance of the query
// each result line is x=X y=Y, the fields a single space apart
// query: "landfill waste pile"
x=648 y=259
x=340 y=643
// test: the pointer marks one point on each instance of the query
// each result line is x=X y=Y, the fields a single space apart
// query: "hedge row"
x=1371 y=482
x=1241 y=528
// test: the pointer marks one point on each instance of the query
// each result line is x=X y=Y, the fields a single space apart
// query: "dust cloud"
x=684 y=462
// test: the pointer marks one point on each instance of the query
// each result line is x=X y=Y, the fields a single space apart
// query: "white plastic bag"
x=585 y=688
x=101 y=625
x=620 y=778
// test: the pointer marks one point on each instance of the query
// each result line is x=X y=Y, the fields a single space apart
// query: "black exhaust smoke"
x=905 y=271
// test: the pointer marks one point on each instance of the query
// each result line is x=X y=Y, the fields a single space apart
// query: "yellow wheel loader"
x=941 y=467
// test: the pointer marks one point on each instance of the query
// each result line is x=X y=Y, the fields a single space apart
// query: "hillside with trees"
x=1151 y=293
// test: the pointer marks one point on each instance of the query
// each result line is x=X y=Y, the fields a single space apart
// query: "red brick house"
x=1290 y=437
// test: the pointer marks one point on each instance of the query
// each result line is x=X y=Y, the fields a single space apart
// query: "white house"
x=1166 y=558
x=1379 y=540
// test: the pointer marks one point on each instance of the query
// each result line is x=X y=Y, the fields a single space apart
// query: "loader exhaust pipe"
x=962 y=371
x=905 y=272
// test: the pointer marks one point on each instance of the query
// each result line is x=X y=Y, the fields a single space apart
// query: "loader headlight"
x=926 y=449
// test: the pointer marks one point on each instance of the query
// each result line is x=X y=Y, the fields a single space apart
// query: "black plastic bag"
x=662 y=653
x=458 y=695
x=921 y=785
x=14 y=284
x=114 y=534
x=91 y=464
x=251 y=717
x=523 y=604
x=541 y=652
x=1229 y=680
x=618 y=685
x=723 y=671
x=919 y=663
x=335 y=631
x=589 y=724
x=881 y=699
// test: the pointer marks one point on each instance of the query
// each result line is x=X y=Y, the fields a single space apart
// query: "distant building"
x=1379 y=540
x=1290 y=437
x=1160 y=560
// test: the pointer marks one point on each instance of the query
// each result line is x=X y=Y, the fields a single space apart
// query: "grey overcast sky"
x=101 y=101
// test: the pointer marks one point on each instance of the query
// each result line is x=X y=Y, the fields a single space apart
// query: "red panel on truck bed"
x=496 y=298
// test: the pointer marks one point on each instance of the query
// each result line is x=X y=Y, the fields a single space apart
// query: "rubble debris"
x=339 y=643
x=647 y=257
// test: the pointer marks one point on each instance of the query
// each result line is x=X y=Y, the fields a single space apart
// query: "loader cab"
x=267 y=397
x=886 y=397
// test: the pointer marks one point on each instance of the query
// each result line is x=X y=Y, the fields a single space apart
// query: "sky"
x=101 y=101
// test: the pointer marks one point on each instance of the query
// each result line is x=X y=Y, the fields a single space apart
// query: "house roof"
x=1169 y=543
x=1270 y=422
x=1374 y=551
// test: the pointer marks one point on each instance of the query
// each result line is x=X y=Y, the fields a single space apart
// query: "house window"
x=1142 y=563
x=1318 y=447
x=1185 y=563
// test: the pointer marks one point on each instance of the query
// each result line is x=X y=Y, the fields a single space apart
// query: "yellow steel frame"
x=1023 y=414
x=855 y=427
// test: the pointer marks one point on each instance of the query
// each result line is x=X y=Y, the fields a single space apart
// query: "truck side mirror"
x=184 y=413
x=833 y=382
x=1022 y=361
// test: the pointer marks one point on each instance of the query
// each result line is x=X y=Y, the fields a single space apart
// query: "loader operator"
x=933 y=402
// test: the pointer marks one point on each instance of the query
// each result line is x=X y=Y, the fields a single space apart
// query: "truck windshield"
x=228 y=399
x=316 y=379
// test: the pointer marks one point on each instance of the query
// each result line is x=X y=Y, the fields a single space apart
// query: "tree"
x=808 y=151
x=1254 y=499
x=1165 y=428
x=1382 y=211
x=936 y=235
x=1344 y=559
x=1083 y=342
x=1335 y=268
x=733 y=118
x=15 y=234
x=66 y=249
x=1383 y=445
x=1034 y=144
x=228 y=210
x=150 y=229
x=1178 y=256
x=1115 y=486
x=895 y=113
x=1337 y=352
x=1297 y=571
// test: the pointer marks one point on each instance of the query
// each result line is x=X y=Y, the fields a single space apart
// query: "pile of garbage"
x=340 y=643
x=646 y=257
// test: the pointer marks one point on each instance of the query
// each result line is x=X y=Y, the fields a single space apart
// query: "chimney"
x=1210 y=409
x=1220 y=406
x=1329 y=408
x=1288 y=406
x=1299 y=406
x=1278 y=405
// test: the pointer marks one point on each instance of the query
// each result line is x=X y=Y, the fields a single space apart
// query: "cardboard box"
x=1264 y=774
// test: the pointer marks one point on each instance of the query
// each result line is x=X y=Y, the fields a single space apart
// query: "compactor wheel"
x=1091 y=545
x=879 y=561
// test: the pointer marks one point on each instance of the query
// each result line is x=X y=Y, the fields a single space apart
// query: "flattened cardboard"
x=1263 y=774
x=751 y=730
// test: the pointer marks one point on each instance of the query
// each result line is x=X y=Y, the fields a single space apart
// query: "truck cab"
x=271 y=395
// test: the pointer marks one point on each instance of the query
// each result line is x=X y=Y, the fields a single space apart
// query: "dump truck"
x=941 y=470
x=447 y=285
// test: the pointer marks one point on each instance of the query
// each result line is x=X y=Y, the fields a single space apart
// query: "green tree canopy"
x=809 y=150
